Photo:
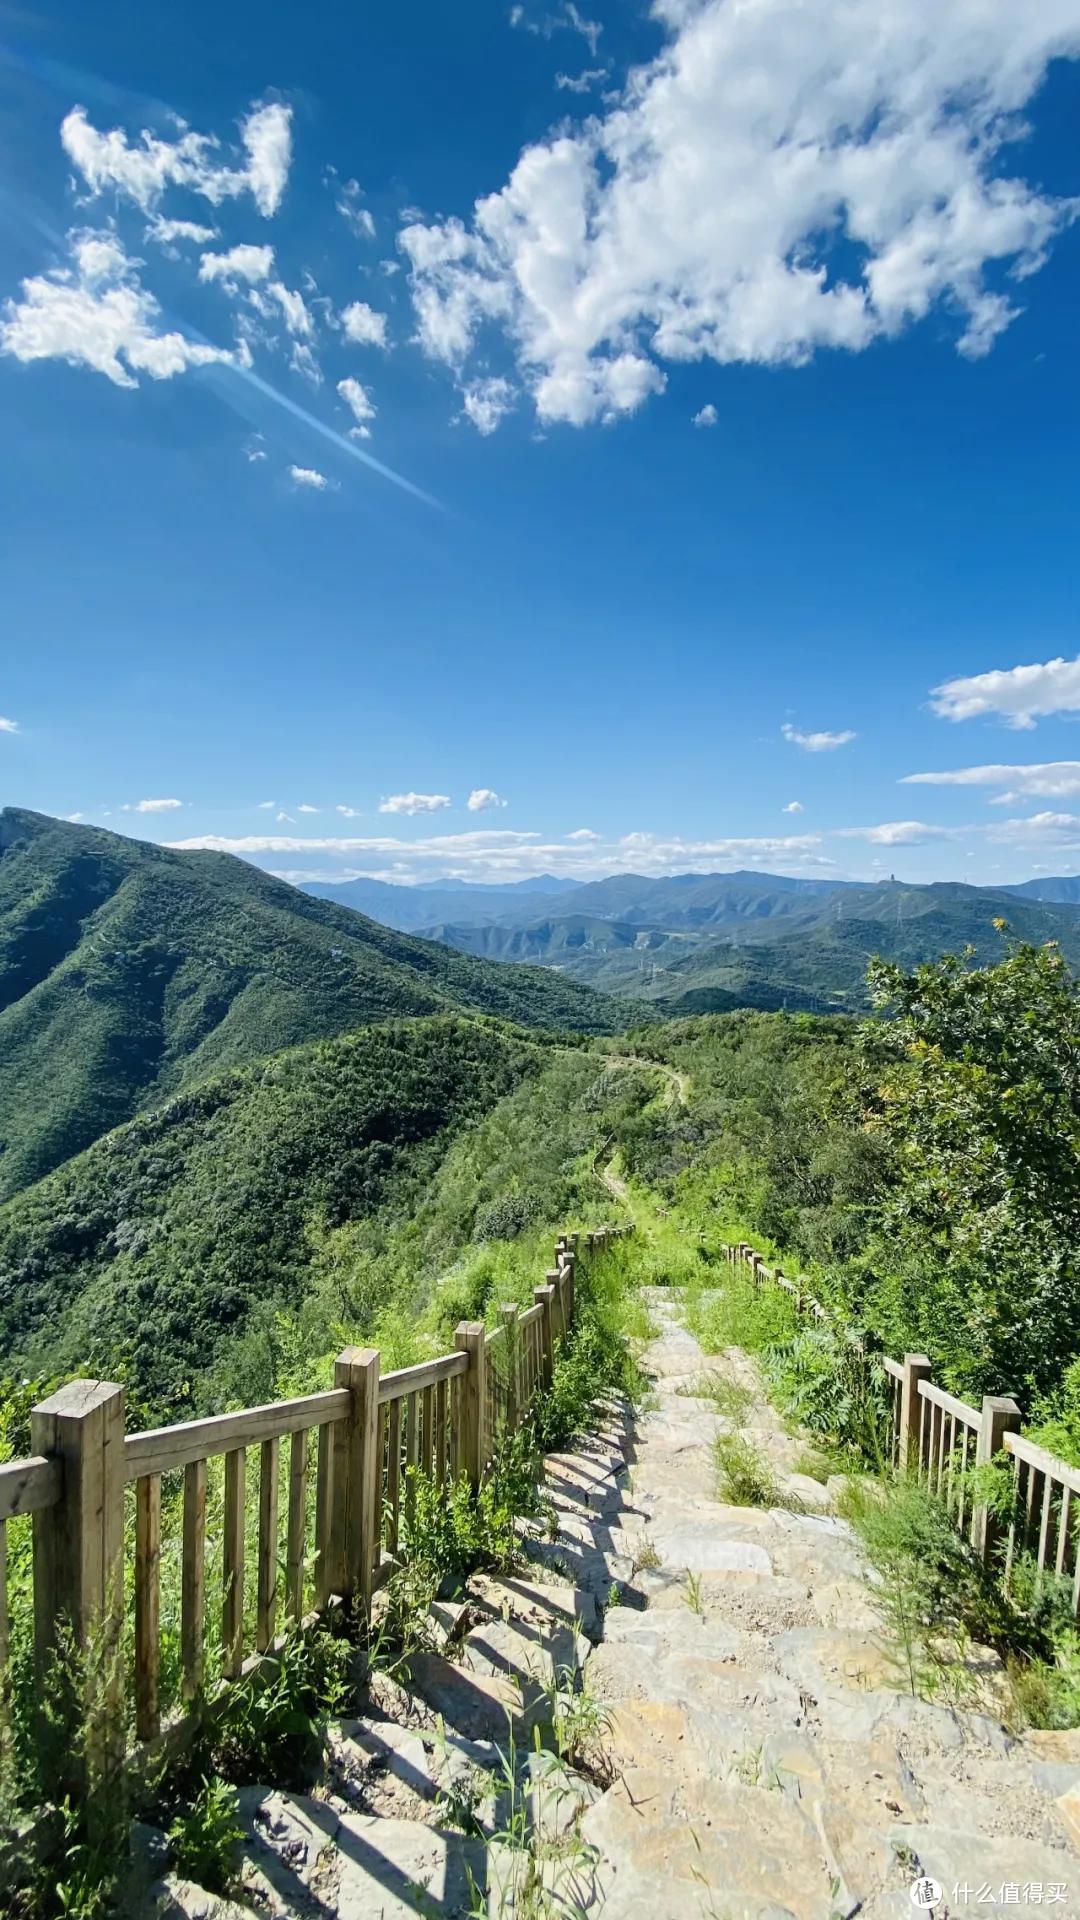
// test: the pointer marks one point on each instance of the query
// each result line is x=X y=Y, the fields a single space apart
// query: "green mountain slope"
x=148 y=1251
x=129 y=972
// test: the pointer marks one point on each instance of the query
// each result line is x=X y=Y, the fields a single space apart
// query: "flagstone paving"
x=757 y=1758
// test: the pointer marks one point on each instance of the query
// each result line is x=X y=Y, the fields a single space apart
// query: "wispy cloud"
x=793 y=806
x=141 y=172
x=817 y=742
x=1045 y=780
x=1017 y=695
x=153 y=806
x=897 y=833
x=8 y=726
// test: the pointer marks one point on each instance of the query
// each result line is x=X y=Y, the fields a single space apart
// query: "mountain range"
x=129 y=973
x=711 y=942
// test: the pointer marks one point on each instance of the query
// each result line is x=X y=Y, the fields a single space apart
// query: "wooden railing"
x=346 y=1477
x=938 y=1438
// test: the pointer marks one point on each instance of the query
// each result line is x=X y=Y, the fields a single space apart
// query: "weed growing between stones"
x=745 y=1476
x=731 y=1400
x=205 y=1835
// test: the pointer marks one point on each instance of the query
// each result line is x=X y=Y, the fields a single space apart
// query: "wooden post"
x=917 y=1367
x=509 y=1317
x=469 y=1339
x=79 y=1568
x=356 y=1475
x=571 y=1275
x=554 y=1278
x=544 y=1298
x=1000 y=1416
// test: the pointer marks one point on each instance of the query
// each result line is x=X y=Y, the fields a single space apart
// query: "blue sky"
x=719 y=371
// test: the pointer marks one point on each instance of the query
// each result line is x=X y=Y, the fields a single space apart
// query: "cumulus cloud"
x=1037 y=827
x=8 y=726
x=776 y=181
x=96 y=313
x=793 y=806
x=1046 y=780
x=483 y=799
x=142 y=171
x=583 y=834
x=706 y=416
x=239 y=263
x=363 y=325
x=360 y=405
x=309 y=477
x=155 y=806
x=817 y=742
x=414 y=803
x=485 y=402
x=1016 y=695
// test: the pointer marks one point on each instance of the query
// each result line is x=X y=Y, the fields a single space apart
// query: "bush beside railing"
x=938 y=1438
x=351 y=1448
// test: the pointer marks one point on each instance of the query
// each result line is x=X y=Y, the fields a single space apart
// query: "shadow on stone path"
x=761 y=1758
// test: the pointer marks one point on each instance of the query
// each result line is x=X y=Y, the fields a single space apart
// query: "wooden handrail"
x=426 y=1373
x=165 y=1449
x=959 y=1409
x=1043 y=1462
x=29 y=1486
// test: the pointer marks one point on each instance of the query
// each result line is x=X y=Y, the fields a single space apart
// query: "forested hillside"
x=129 y=972
x=146 y=1253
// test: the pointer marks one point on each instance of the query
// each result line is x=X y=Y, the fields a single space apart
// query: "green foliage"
x=979 y=1106
x=745 y=1476
x=204 y=1837
x=269 y=1725
x=130 y=973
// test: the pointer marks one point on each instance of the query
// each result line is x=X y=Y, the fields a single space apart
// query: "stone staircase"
x=755 y=1756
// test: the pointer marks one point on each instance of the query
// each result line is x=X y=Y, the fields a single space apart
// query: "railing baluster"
x=147 y=1605
x=393 y=1477
x=232 y=1598
x=1044 y=1525
x=297 y=1525
x=5 y=1620
x=1063 y=1532
x=427 y=1456
x=324 y=1486
x=266 y=1600
x=193 y=1579
x=440 y=1434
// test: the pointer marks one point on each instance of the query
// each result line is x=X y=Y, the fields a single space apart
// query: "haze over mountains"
x=710 y=942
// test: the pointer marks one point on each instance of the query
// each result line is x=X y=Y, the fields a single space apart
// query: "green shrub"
x=745 y=1476
x=204 y=1837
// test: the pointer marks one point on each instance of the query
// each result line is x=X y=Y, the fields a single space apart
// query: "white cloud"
x=240 y=263
x=896 y=833
x=502 y=854
x=349 y=813
x=96 y=313
x=583 y=834
x=285 y=818
x=167 y=232
x=414 y=803
x=1017 y=695
x=347 y=203
x=793 y=806
x=157 y=806
x=304 y=808
x=363 y=325
x=293 y=306
x=486 y=402
x=776 y=181
x=142 y=172
x=817 y=742
x=1038 y=827
x=1046 y=780
x=8 y=726
x=580 y=82
x=359 y=402
x=267 y=806
x=483 y=799
x=706 y=416
x=309 y=477
x=74 y=818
